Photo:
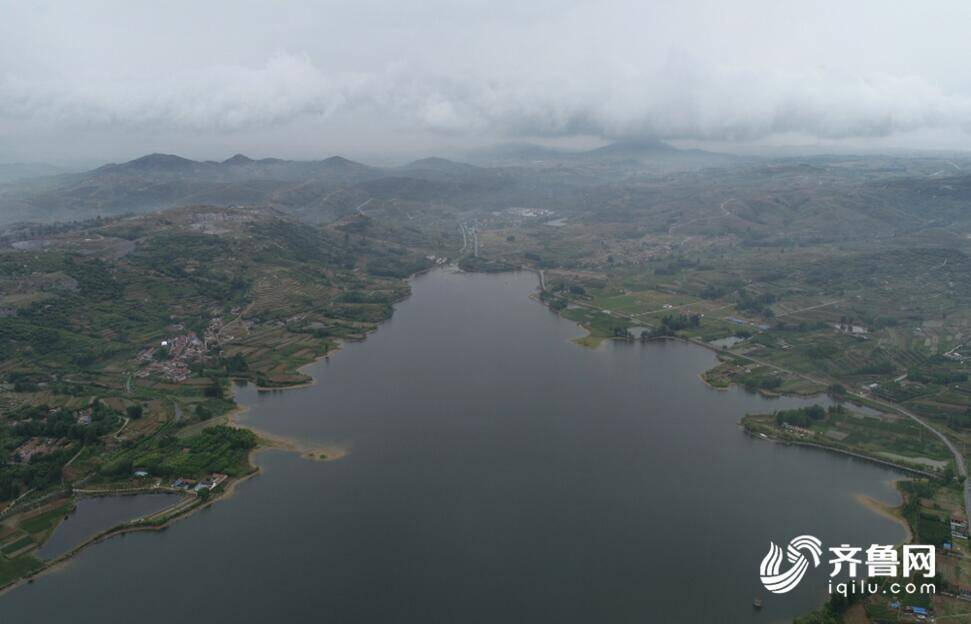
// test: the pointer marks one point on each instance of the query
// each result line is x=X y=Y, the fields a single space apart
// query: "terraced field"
x=146 y=343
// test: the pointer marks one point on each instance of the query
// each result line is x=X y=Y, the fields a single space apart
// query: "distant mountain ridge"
x=627 y=148
x=328 y=188
x=645 y=150
x=633 y=146
x=238 y=159
x=317 y=190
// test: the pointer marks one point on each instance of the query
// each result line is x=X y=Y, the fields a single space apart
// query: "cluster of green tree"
x=44 y=471
x=917 y=489
x=929 y=528
x=24 y=381
x=960 y=421
x=897 y=392
x=880 y=322
x=297 y=242
x=68 y=331
x=28 y=332
x=762 y=382
x=170 y=253
x=40 y=421
x=712 y=291
x=217 y=449
x=364 y=296
x=551 y=299
x=671 y=324
x=932 y=529
x=399 y=266
x=41 y=473
x=756 y=303
x=358 y=312
x=820 y=350
x=561 y=288
x=802 y=416
x=532 y=256
x=557 y=303
x=801 y=326
x=235 y=364
x=939 y=376
x=676 y=265
x=717 y=291
x=822 y=276
x=356 y=225
x=94 y=277
x=882 y=367
x=196 y=262
x=204 y=412
x=213 y=391
x=215 y=405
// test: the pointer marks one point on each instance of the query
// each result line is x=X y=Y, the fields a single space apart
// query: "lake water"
x=94 y=515
x=497 y=473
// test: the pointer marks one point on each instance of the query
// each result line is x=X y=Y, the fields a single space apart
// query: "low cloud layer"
x=471 y=70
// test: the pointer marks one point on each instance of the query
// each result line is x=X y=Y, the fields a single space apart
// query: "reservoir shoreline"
x=283 y=440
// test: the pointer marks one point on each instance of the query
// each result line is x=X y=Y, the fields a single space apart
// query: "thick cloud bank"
x=681 y=100
x=475 y=69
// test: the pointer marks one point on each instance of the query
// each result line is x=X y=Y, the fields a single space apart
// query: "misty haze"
x=468 y=312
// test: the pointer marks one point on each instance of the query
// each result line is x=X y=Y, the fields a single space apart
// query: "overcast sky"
x=95 y=81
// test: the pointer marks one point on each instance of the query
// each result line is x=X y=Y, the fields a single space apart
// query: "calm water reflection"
x=94 y=515
x=498 y=473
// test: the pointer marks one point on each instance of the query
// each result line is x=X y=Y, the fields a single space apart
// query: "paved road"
x=721 y=207
x=961 y=468
x=814 y=307
x=360 y=208
x=959 y=464
x=125 y=424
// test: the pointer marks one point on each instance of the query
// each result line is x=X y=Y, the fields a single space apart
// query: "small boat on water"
x=757 y=602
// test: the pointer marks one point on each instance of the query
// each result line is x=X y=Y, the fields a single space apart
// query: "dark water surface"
x=94 y=515
x=498 y=474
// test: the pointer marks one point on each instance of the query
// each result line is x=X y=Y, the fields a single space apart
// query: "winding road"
x=360 y=208
x=959 y=464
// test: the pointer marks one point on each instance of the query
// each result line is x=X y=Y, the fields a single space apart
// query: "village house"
x=83 y=417
x=211 y=482
x=797 y=430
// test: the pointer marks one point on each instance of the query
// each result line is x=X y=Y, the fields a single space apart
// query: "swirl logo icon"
x=800 y=551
